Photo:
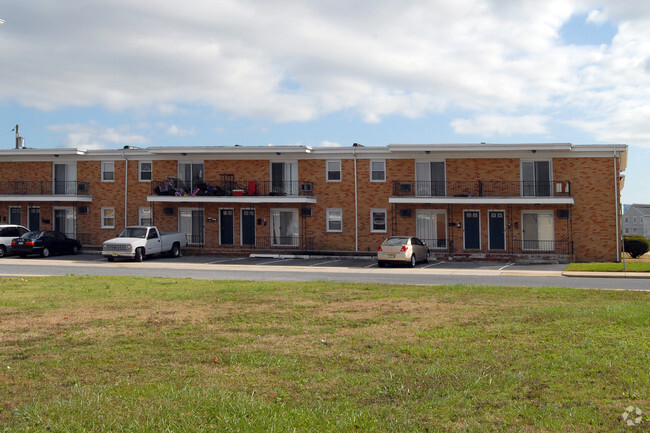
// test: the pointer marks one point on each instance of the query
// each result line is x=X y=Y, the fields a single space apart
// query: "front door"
x=496 y=225
x=15 y=215
x=248 y=226
x=472 y=230
x=226 y=221
x=64 y=221
x=34 y=219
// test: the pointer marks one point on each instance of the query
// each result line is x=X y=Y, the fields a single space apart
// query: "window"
x=536 y=178
x=108 y=171
x=191 y=223
x=284 y=178
x=634 y=230
x=145 y=171
x=334 y=220
x=627 y=220
x=378 y=220
x=538 y=232
x=634 y=220
x=144 y=216
x=108 y=217
x=190 y=175
x=378 y=171
x=285 y=230
x=431 y=227
x=627 y=231
x=430 y=178
x=333 y=171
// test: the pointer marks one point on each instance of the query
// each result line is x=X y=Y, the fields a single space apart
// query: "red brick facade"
x=483 y=206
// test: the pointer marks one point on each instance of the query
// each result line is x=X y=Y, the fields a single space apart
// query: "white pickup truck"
x=136 y=242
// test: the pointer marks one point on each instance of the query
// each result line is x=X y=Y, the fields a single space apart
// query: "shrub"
x=635 y=245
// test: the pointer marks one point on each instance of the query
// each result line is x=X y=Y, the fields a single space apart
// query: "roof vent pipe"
x=20 y=141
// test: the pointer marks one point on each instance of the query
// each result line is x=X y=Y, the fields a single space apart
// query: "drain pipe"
x=619 y=234
x=126 y=188
x=356 y=202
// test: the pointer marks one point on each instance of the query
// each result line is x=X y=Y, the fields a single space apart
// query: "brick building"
x=476 y=201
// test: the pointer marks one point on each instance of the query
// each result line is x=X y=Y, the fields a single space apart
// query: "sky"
x=102 y=74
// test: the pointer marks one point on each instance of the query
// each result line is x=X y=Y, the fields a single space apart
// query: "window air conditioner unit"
x=405 y=213
x=82 y=187
x=82 y=210
x=168 y=211
x=306 y=187
x=305 y=212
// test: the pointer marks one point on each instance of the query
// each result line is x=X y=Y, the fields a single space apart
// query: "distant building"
x=636 y=220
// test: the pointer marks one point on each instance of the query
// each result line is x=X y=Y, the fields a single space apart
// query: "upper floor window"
x=145 y=173
x=378 y=171
x=333 y=171
x=634 y=220
x=536 y=178
x=108 y=171
x=430 y=178
x=190 y=174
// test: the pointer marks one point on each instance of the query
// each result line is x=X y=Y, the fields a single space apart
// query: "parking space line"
x=371 y=265
x=433 y=264
x=273 y=261
x=506 y=266
x=226 y=260
x=322 y=263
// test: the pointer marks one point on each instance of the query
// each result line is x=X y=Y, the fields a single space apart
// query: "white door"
x=431 y=227
x=284 y=227
x=64 y=221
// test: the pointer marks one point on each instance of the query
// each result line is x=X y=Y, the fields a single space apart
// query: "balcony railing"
x=479 y=188
x=177 y=187
x=44 y=187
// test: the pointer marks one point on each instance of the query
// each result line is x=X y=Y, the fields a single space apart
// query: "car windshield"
x=133 y=232
x=396 y=241
x=32 y=235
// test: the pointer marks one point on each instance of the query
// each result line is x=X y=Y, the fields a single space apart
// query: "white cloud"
x=393 y=59
x=95 y=136
x=490 y=125
x=326 y=143
x=179 y=132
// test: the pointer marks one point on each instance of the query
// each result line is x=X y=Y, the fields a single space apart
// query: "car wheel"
x=413 y=260
x=175 y=251
x=138 y=255
x=3 y=250
x=45 y=252
x=428 y=259
x=75 y=250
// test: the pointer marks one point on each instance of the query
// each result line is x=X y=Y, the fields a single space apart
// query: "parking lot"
x=357 y=262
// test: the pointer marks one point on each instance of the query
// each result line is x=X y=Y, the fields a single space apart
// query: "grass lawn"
x=108 y=354
x=640 y=264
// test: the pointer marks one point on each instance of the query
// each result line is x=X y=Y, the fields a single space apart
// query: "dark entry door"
x=472 y=230
x=248 y=226
x=34 y=219
x=227 y=223
x=496 y=223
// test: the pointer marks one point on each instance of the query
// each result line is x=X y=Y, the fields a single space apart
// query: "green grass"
x=105 y=354
x=610 y=267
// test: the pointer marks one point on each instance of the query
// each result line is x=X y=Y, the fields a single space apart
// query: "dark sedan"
x=44 y=243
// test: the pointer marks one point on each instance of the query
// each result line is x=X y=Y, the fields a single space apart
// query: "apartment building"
x=556 y=202
x=636 y=220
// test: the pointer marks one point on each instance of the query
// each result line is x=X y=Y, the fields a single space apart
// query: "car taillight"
x=379 y=249
x=30 y=243
x=13 y=242
x=404 y=248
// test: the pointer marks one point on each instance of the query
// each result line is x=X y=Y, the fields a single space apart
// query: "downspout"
x=618 y=210
x=356 y=203
x=126 y=188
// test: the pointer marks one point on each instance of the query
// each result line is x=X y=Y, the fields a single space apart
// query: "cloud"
x=175 y=131
x=296 y=61
x=96 y=136
x=490 y=125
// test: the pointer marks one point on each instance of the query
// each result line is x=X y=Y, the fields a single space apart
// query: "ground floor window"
x=108 y=217
x=284 y=227
x=431 y=227
x=145 y=216
x=191 y=223
x=378 y=220
x=64 y=221
x=334 y=220
x=537 y=231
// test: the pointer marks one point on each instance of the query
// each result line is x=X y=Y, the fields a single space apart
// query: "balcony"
x=478 y=191
x=45 y=190
x=230 y=190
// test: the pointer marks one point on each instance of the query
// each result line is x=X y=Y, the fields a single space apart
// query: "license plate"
x=114 y=254
x=391 y=256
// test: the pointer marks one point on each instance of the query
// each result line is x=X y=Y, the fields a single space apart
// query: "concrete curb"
x=587 y=274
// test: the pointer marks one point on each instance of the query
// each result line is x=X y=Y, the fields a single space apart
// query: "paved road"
x=315 y=269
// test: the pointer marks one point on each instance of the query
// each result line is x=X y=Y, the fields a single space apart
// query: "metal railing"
x=44 y=187
x=301 y=243
x=176 y=187
x=479 y=188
